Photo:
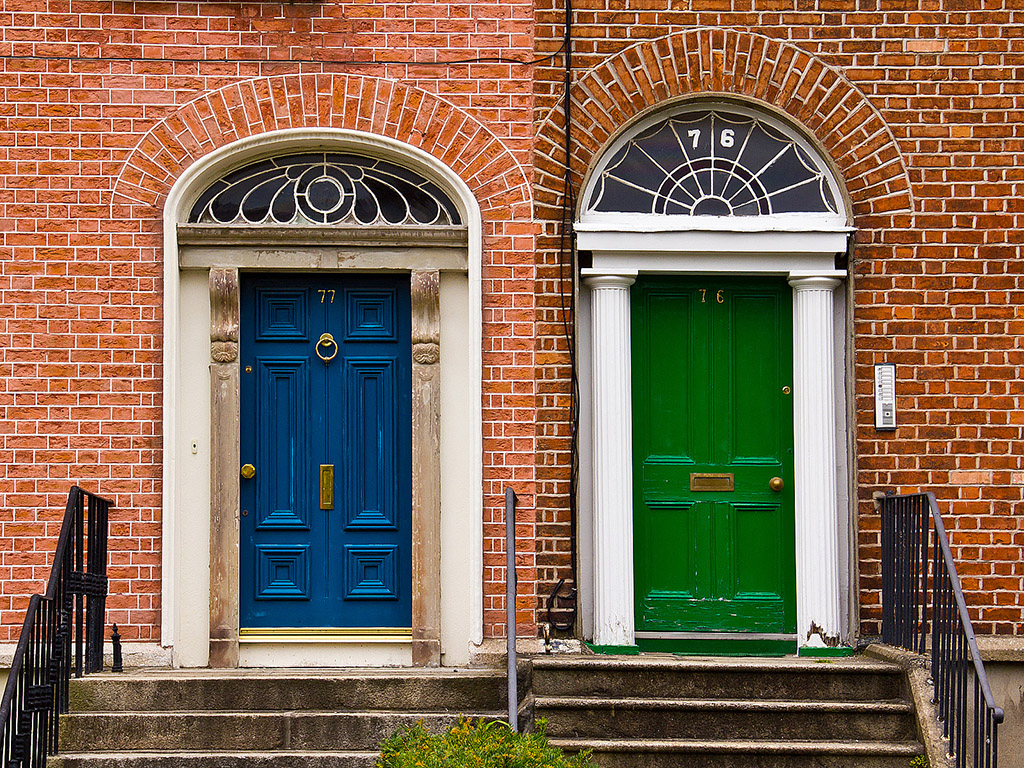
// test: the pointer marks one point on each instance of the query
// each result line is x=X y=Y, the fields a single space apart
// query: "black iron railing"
x=62 y=635
x=911 y=527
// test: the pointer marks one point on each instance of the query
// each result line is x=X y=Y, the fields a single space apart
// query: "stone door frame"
x=423 y=253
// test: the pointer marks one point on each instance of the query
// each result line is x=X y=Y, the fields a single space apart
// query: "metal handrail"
x=69 y=613
x=510 y=607
x=907 y=521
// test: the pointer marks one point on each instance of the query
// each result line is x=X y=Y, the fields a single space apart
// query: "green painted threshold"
x=718 y=647
x=615 y=650
x=824 y=653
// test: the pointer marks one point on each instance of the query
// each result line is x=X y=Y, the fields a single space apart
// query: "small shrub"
x=919 y=762
x=479 y=744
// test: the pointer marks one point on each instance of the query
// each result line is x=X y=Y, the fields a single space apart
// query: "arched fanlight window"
x=720 y=161
x=324 y=188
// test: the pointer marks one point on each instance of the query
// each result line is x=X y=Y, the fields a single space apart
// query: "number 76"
x=726 y=138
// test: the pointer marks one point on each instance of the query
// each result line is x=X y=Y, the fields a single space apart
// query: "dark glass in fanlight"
x=366 y=209
x=206 y=197
x=283 y=209
x=798 y=198
x=424 y=208
x=689 y=165
x=257 y=203
x=711 y=206
x=392 y=206
x=323 y=195
x=741 y=183
x=368 y=191
x=635 y=164
x=620 y=197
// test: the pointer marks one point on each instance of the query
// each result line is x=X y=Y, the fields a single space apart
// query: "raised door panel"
x=283 y=497
x=754 y=378
x=371 y=449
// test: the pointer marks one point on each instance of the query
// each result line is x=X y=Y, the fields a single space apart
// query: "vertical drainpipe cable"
x=568 y=279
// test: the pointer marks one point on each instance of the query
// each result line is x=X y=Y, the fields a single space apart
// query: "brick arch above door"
x=378 y=106
x=724 y=63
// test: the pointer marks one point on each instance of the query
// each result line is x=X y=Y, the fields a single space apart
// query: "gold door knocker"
x=326 y=340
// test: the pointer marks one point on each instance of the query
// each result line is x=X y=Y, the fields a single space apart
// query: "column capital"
x=610 y=281
x=814 y=282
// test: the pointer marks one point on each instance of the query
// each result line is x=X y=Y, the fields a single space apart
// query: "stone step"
x=593 y=717
x=241 y=731
x=685 y=678
x=248 y=759
x=252 y=690
x=678 y=753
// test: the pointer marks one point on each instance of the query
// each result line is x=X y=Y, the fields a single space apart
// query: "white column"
x=817 y=527
x=613 y=461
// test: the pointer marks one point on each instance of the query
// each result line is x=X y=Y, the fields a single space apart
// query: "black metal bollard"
x=115 y=640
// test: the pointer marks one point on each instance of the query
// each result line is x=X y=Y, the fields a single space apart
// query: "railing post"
x=885 y=505
x=510 y=607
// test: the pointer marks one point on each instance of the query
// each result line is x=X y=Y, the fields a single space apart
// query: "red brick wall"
x=104 y=104
x=919 y=105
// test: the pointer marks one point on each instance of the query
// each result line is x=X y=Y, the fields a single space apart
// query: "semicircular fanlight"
x=712 y=163
x=324 y=188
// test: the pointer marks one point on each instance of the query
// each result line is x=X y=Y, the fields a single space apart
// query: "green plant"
x=919 y=762
x=475 y=744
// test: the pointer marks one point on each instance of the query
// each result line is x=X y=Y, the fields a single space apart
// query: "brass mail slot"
x=712 y=481
x=326 y=486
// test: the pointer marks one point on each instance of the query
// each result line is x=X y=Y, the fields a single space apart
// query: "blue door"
x=326 y=487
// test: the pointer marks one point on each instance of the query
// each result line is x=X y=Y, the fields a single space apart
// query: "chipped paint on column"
x=817 y=527
x=613 y=462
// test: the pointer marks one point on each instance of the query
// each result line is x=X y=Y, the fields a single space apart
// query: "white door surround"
x=819 y=605
x=801 y=247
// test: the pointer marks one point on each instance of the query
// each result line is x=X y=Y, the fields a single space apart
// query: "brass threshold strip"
x=325 y=635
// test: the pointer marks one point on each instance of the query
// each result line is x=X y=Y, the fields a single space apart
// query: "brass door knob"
x=776 y=484
x=248 y=471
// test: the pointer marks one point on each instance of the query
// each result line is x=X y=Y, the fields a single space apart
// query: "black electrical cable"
x=567 y=273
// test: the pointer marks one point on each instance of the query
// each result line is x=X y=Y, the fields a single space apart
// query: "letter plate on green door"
x=712 y=481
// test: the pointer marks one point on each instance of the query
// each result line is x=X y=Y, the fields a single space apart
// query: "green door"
x=712 y=438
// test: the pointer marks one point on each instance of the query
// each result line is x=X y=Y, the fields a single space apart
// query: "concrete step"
x=445 y=690
x=247 y=759
x=597 y=717
x=666 y=677
x=678 y=753
x=240 y=731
